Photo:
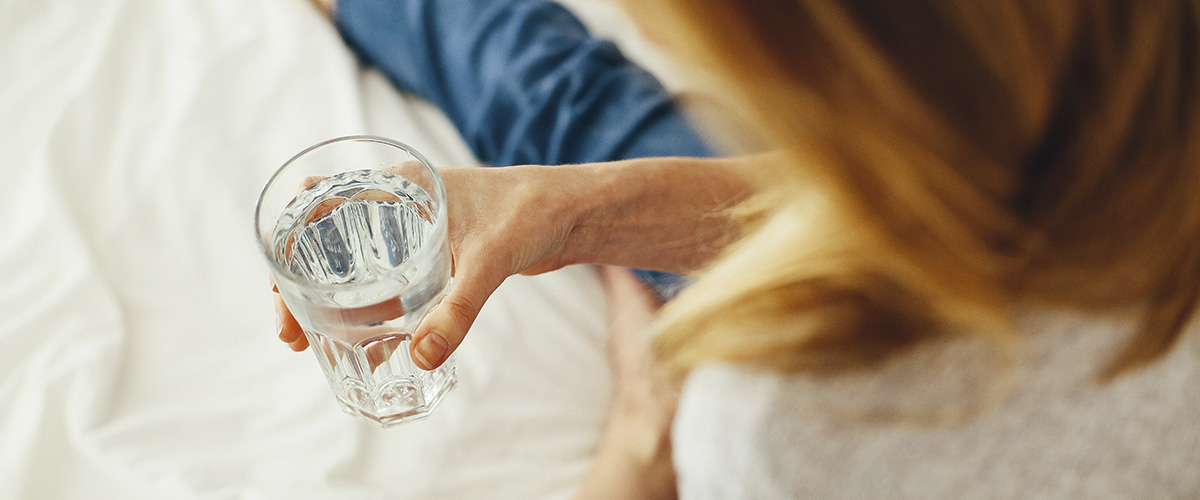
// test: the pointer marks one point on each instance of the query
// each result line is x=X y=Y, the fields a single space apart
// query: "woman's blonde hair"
x=941 y=162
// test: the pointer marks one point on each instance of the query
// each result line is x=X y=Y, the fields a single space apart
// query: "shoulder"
x=949 y=422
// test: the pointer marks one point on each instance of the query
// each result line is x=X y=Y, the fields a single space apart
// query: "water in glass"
x=353 y=237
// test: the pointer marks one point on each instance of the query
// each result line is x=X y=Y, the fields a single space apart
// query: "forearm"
x=668 y=214
x=522 y=80
x=619 y=472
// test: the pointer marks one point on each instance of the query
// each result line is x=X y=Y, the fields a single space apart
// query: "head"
x=941 y=163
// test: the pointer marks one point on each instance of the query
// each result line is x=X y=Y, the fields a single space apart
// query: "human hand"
x=633 y=460
x=641 y=397
x=501 y=222
x=668 y=214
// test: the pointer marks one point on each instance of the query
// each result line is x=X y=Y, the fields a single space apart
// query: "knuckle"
x=462 y=310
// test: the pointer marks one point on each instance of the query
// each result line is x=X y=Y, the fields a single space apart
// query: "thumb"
x=441 y=332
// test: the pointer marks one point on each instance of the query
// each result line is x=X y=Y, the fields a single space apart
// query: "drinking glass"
x=355 y=232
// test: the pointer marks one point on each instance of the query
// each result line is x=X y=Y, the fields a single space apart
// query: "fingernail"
x=430 y=349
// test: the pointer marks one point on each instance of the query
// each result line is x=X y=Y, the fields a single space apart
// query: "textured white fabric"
x=949 y=422
x=137 y=358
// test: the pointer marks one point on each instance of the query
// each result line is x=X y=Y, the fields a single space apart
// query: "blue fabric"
x=524 y=83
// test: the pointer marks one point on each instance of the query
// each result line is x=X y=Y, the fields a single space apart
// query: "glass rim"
x=422 y=253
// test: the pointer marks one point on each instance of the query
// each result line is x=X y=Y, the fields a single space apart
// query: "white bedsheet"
x=137 y=354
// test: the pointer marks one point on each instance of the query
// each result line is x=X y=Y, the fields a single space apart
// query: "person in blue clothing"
x=968 y=269
x=524 y=83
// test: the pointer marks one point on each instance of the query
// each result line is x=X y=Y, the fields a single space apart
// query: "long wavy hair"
x=940 y=164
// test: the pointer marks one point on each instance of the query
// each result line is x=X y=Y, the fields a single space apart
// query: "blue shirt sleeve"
x=522 y=80
x=524 y=83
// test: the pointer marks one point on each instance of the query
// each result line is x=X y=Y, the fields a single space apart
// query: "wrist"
x=591 y=198
x=615 y=211
x=665 y=214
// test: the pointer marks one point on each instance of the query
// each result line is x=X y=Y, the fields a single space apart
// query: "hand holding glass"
x=360 y=255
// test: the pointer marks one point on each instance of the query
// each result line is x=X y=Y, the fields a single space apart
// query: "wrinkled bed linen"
x=137 y=358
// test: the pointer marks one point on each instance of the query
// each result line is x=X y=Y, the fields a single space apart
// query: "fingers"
x=300 y=344
x=286 y=325
x=310 y=181
x=289 y=330
x=408 y=168
x=441 y=332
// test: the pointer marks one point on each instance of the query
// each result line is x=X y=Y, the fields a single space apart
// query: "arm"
x=667 y=213
x=659 y=213
x=524 y=83
x=663 y=213
x=633 y=460
x=522 y=80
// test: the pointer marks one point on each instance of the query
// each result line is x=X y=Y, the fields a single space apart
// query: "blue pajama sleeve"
x=524 y=83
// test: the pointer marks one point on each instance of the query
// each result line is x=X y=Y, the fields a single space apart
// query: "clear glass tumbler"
x=355 y=233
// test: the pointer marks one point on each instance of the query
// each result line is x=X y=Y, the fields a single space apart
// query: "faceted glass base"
x=377 y=380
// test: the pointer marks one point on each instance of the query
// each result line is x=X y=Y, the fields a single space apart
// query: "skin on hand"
x=664 y=213
x=289 y=330
x=502 y=222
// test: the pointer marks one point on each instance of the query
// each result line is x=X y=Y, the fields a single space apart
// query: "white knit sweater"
x=948 y=421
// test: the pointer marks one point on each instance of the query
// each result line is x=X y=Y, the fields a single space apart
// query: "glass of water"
x=355 y=233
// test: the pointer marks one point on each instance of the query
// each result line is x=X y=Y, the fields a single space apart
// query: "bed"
x=137 y=354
